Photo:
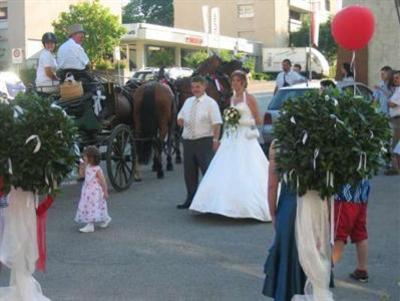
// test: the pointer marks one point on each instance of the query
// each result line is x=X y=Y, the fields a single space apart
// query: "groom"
x=201 y=121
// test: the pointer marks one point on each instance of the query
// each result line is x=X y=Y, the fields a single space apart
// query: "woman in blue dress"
x=284 y=275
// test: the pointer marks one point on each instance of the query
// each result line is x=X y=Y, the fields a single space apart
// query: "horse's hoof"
x=160 y=175
x=138 y=179
x=178 y=160
x=170 y=167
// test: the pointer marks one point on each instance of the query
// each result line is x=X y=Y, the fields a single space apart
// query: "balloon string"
x=353 y=67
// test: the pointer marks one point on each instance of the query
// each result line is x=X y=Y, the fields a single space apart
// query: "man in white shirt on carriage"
x=71 y=57
x=287 y=77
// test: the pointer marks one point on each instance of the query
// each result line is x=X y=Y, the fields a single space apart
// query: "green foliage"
x=103 y=29
x=42 y=171
x=103 y=65
x=250 y=63
x=160 y=12
x=345 y=129
x=163 y=57
x=327 y=44
x=194 y=59
x=226 y=55
x=261 y=76
x=27 y=75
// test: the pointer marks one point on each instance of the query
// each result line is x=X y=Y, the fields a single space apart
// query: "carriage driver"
x=71 y=56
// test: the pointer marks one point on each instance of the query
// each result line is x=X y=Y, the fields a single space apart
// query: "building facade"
x=383 y=49
x=23 y=22
x=141 y=40
x=267 y=21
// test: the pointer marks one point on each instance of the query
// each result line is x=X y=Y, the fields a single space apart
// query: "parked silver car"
x=297 y=90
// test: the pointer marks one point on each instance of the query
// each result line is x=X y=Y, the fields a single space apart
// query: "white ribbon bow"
x=97 y=102
x=316 y=153
x=38 y=142
x=363 y=161
x=17 y=111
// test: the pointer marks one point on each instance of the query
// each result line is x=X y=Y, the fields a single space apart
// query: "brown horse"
x=153 y=116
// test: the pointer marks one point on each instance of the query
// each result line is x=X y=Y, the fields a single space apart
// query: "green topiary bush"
x=37 y=147
x=327 y=140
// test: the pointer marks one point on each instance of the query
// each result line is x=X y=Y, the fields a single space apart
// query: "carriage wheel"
x=120 y=157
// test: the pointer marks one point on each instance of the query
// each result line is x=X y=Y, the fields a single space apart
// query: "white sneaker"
x=105 y=224
x=88 y=228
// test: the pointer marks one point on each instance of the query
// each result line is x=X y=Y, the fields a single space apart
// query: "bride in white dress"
x=236 y=182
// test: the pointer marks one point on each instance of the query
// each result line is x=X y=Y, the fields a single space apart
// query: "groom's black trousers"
x=197 y=154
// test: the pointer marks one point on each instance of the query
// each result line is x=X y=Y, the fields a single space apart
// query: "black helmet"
x=49 y=37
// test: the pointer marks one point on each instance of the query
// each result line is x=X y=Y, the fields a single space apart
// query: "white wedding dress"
x=236 y=182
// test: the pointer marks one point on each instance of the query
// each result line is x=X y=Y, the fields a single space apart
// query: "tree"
x=160 y=12
x=103 y=29
x=327 y=44
x=194 y=59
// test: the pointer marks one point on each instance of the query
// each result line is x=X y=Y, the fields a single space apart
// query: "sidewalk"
x=258 y=86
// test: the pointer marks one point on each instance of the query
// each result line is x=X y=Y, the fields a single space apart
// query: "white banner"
x=206 y=25
x=215 y=21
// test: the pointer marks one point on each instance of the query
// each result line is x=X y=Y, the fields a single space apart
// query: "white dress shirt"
x=395 y=112
x=206 y=114
x=291 y=77
x=71 y=55
x=46 y=59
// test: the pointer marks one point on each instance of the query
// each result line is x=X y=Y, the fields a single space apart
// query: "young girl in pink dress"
x=92 y=206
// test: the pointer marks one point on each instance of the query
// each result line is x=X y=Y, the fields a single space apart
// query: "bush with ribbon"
x=37 y=148
x=327 y=140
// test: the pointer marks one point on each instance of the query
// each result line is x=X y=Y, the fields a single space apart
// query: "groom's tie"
x=192 y=119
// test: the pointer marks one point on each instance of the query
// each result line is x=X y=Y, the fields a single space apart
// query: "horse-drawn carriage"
x=132 y=122
x=102 y=118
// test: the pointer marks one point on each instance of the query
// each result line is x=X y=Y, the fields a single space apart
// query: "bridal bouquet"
x=231 y=119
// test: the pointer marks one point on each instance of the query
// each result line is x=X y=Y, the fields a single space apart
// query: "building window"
x=3 y=13
x=245 y=11
x=328 y=5
x=294 y=15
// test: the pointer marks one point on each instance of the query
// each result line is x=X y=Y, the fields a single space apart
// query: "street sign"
x=17 y=56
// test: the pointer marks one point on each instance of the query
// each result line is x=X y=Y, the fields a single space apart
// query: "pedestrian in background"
x=384 y=90
x=201 y=121
x=394 y=113
x=287 y=77
x=351 y=222
x=347 y=74
x=92 y=207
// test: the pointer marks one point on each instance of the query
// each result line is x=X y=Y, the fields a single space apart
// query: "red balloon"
x=353 y=27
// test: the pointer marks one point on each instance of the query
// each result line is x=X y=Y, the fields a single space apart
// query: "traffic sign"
x=17 y=56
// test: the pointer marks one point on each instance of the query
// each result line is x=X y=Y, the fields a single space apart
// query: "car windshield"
x=283 y=95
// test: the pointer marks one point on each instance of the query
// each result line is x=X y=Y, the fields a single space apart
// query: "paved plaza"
x=152 y=251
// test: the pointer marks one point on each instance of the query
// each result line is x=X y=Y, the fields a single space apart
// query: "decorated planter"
x=36 y=153
x=324 y=141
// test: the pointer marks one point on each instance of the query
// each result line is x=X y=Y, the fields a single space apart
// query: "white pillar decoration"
x=19 y=250
x=313 y=244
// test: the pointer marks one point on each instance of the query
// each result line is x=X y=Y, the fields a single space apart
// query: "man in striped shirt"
x=351 y=221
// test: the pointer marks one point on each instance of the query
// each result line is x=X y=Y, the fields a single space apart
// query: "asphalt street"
x=154 y=252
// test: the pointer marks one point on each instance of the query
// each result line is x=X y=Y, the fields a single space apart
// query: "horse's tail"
x=148 y=120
